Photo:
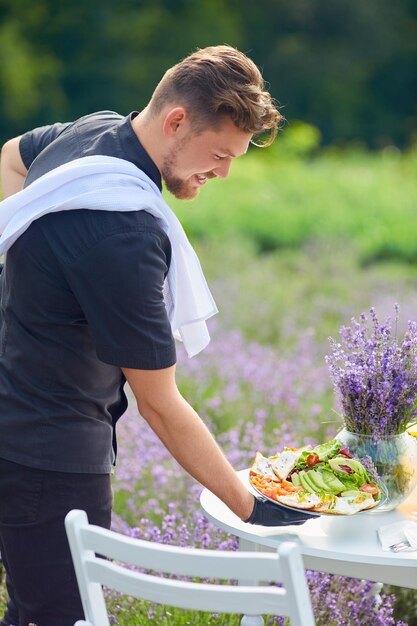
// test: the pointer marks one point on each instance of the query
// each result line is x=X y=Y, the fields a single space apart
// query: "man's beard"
x=180 y=188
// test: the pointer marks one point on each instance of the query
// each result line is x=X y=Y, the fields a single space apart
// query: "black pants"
x=34 y=548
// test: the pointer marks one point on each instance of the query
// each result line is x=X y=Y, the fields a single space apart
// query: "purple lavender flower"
x=340 y=601
x=375 y=375
x=370 y=467
x=246 y=393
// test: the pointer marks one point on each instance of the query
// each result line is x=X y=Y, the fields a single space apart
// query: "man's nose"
x=222 y=170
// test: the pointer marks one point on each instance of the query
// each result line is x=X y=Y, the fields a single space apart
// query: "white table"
x=347 y=546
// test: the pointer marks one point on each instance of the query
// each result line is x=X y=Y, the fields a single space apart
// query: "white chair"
x=284 y=566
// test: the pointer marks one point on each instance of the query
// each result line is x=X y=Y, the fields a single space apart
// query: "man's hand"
x=265 y=513
x=12 y=169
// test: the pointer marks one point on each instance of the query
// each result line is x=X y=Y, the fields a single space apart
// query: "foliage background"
x=347 y=67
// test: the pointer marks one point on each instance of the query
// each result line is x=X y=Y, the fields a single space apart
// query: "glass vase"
x=395 y=460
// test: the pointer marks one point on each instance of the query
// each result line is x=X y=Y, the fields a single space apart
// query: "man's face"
x=194 y=159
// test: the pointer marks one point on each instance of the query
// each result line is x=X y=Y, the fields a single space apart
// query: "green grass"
x=275 y=298
x=140 y=613
x=368 y=199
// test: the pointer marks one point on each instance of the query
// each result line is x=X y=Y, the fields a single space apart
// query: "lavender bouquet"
x=375 y=375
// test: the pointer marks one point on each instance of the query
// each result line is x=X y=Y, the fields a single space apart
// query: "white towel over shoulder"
x=112 y=184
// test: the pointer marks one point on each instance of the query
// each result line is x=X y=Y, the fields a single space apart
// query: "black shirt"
x=81 y=297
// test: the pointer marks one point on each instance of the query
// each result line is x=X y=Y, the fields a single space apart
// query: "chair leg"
x=250 y=546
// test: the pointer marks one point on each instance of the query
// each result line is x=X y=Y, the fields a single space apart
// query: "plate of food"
x=324 y=480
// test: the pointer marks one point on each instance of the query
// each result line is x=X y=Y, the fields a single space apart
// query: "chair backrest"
x=284 y=566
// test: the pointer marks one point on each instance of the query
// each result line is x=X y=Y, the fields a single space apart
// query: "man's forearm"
x=191 y=444
x=12 y=169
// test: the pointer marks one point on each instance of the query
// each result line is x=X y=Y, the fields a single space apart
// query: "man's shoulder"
x=73 y=233
x=90 y=134
x=99 y=118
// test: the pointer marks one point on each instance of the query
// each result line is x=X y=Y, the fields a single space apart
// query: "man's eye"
x=216 y=156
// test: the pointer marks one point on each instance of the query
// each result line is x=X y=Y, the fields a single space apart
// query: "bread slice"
x=262 y=467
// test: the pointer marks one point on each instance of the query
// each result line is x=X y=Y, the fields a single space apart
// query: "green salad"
x=328 y=468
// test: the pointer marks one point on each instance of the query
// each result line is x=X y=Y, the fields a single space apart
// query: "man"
x=82 y=312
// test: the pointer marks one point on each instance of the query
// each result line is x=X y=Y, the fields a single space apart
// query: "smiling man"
x=84 y=309
x=190 y=159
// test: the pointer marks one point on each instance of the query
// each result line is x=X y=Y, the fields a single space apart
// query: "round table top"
x=350 y=538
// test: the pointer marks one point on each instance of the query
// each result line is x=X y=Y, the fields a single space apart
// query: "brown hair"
x=218 y=82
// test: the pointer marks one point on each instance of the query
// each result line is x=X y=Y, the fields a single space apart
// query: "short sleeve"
x=33 y=142
x=119 y=286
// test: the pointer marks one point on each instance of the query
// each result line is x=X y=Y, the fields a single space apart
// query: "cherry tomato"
x=312 y=459
x=372 y=489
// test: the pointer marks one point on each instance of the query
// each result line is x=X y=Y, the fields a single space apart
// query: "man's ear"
x=176 y=122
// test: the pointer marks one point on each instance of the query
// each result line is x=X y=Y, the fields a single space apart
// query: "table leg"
x=252 y=620
x=375 y=593
x=250 y=546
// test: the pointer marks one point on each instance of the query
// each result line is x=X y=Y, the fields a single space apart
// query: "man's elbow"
x=11 y=158
x=147 y=410
x=5 y=151
x=160 y=409
x=153 y=410
x=155 y=391
x=7 y=148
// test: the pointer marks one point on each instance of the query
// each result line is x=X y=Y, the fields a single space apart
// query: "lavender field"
x=292 y=249
x=262 y=383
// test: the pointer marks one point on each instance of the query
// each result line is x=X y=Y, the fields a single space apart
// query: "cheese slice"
x=286 y=461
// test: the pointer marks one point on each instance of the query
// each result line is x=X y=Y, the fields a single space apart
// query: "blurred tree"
x=347 y=67
x=156 y=35
x=28 y=74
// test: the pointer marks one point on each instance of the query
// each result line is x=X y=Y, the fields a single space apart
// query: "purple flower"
x=263 y=405
x=370 y=467
x=375 y=375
